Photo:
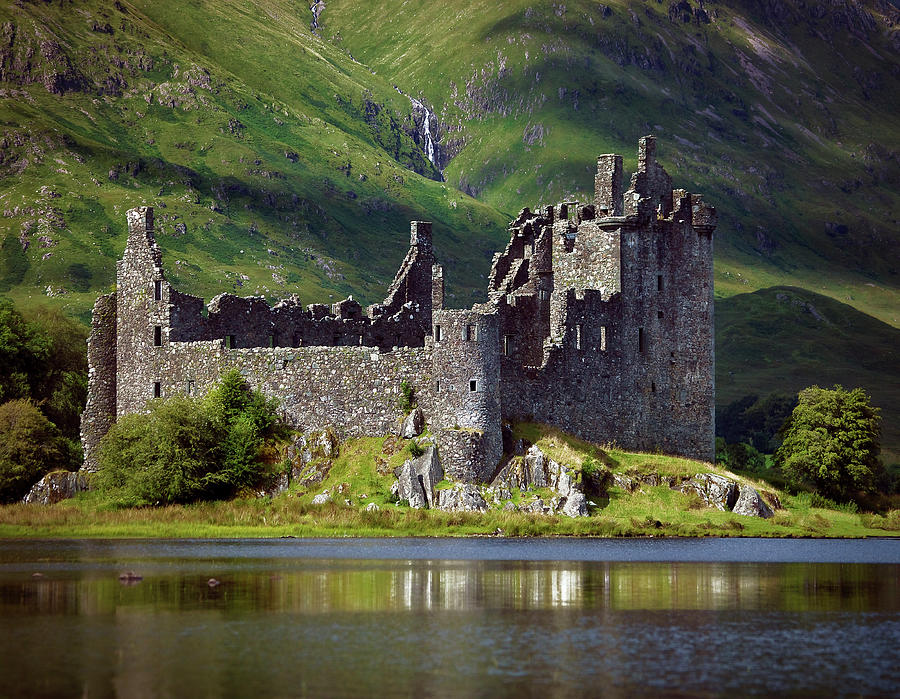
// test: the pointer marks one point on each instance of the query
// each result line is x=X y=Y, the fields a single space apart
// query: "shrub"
x=30 y=446
x=407 y=399
x=415 y=449
x=187 y=449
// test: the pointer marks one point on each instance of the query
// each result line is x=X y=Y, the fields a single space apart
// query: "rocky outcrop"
x=536 y=470
x=750 y=503
x=714 y=490
x=417 y=477
x=462 y=497
x=413 y=424
x=574 y=505
x=56 y=486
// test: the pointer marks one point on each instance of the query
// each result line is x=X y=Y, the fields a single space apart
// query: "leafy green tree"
x=23 y=349
x=30 y=447
x=42 y=356
x=832 y=442
x=185 y=449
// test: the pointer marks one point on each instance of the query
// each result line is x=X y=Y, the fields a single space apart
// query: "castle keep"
x=599 y=320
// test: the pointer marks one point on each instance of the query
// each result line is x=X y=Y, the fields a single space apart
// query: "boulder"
x=536 y=468
x=417 y=477
x=322 y=498
x=715 y=490
x=624 y=482
x=413 y=425
x=56 y=486
x=750 y=504
x=575 y=505
x=372 y=507
x=462 y=497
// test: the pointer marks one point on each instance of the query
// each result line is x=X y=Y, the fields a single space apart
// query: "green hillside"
x=782 y=339
x=276 y=163
x=783 y=113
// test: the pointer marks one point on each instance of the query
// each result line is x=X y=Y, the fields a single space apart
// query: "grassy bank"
x=656 y=513
x=362 y=474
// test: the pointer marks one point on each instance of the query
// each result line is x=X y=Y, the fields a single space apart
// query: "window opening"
x=271 y=340
x=157 y=336
x=652 y=387
x=659 y=314
x=157 y=389
x=437 y=333
x=473 y=385
x=659 y=282
x=190 y=387
x=229 y=341
x=507 y=345
x=437 y=386
x=641 y=340
x=157 y=290
x=471 y=332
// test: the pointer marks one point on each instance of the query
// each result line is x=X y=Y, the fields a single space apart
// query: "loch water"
x=450 y=617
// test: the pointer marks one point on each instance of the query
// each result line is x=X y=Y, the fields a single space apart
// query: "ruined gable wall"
x=100 y=411
x=138 y=310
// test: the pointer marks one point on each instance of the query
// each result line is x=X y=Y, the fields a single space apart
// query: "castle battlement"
x=599 y=320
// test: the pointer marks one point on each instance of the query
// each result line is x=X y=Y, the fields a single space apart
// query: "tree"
x=185 y=449
x=30 y=447
x=831 y=441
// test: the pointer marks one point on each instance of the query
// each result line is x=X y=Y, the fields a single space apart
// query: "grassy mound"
x=362 y=474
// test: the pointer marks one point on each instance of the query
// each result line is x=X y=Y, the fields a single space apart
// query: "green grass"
x=364 y=468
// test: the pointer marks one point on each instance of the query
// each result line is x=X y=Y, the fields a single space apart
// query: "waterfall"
x=431 y=144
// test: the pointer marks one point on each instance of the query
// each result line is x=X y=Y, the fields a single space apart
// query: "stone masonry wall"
x=100 y=412
x=599 y=321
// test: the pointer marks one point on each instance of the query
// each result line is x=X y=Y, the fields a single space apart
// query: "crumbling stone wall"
x=598 y=320
x=100 y=411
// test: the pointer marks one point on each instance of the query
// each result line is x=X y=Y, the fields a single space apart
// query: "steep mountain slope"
x=277 y=164
x=784 y=113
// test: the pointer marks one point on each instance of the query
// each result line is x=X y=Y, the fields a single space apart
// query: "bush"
x=831 y=442
x=30 y=447
x=407 y=399
x=187 y=449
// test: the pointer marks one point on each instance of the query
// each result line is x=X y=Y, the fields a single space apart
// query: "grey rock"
x=413 y=424
x=417 y=477
x=624 y=482
x=750 y=504
x=372 y=507
x=536 y=468
x=462 y=497
x=715 y=490
x=535 y=507
x=510 y=507
x=321 y=498
x=56 y=486
x=575 y=505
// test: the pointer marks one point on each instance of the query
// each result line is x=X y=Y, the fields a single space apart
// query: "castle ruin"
x=599 y=321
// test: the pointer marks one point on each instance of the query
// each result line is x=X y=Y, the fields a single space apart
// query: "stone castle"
x=599 y=321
